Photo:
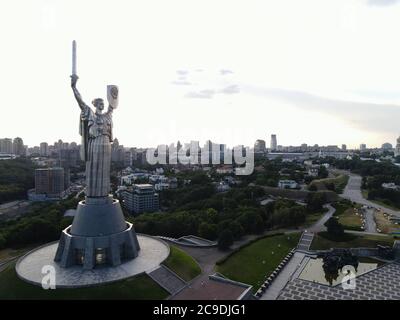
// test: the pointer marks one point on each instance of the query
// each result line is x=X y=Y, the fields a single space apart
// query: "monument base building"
x=98 y=235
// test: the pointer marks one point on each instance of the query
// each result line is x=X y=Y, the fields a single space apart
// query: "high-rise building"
x=117 y=152
x=50 y=181
x=141 y=198
x=128 y=159
x=344 y=147
x=274 y=143
x=58 y=145
x=222 y=149
x=387 y=146
x=68 y=157
x=397 y=149
x=259 y=146
x=44 y=149
x=18 y=147
x=6 y=146
x=363 y=147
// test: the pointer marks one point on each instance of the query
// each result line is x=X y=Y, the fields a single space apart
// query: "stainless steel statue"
x=99 y=233
x=96 y=131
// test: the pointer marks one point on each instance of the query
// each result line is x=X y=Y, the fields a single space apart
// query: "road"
x=352 y=192
x=319 y=225
x=370 y=225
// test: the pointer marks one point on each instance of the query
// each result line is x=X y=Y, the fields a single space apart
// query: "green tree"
x=225 y=240
x=2 y=241
x=312 y=187
x=207 y=230
x=322 y=172
x=334 y=227
x=236 y=229
x=315 y=201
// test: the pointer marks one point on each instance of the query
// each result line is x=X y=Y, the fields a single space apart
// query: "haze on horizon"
x=324 y=72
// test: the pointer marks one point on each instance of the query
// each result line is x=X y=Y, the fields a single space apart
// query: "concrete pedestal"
x=98 y=235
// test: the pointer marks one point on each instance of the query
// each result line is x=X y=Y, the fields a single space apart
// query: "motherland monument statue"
x=99 y=233
x=99 y=246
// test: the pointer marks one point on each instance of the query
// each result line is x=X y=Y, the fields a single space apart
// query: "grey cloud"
x=181 y=82
x=225 y=71
x=182 y=72
x=202 y=94
x=382 y=3
x=366 y=116
x=231 y=89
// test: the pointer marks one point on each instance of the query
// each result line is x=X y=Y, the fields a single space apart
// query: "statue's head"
x=98 y=104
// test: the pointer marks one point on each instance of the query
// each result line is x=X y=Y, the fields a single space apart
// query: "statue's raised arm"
x=81 y=103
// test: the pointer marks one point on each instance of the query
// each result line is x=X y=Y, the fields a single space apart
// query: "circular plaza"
x=35 y=265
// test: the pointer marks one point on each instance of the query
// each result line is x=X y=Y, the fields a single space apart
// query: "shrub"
x=225 y=240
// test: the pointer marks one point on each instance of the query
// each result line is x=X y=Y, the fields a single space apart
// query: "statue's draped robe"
x=96 y=132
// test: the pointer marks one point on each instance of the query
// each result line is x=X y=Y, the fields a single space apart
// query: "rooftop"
x=380 y=284
x=214 y=288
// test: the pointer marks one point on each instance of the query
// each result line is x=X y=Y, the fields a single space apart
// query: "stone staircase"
x=305 y=241
x=167 y=279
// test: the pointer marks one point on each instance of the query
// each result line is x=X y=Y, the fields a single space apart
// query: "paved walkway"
x=4 y=263
x=319 y=225
x=283 y=277
x=352 y=192
x=167 y=279
x=370 y=225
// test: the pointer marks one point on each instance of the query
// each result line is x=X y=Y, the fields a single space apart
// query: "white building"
x=161 y=186
x=287 y=184
x=313 y=171
x=222 y=187
x=131 y=178
x=390 y=185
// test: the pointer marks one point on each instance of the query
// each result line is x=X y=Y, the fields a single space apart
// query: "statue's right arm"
x=78 y=98
x=81 y=103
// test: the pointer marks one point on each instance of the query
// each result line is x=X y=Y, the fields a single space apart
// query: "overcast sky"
x=323 y=72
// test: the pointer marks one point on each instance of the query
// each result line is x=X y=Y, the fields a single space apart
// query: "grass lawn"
x=182 y=264
x=384 y=224
x=10 y=253
x=350 y=220
x=138 y=288
x=339 y=182
x=347 y=216
x=253 y=263
x=312 y=218
x=322 y=241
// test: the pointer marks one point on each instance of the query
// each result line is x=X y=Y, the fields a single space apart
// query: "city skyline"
x=16 y=145
x=327 y=85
